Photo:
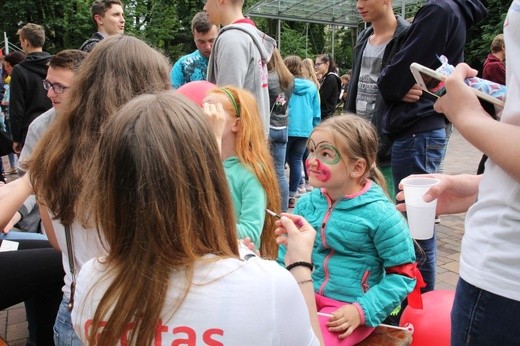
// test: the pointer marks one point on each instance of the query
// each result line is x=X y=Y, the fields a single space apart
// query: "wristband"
x=300 y=264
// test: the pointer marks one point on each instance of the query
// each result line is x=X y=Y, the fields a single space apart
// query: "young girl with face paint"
x=249 y=167
x=363 y=254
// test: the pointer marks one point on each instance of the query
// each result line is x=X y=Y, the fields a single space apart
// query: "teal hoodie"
x=304 y=108
x=249 y=199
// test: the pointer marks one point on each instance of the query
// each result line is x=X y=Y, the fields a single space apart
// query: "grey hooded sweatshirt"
x=239 y=57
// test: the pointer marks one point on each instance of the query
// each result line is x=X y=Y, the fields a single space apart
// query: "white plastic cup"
x=420 y=215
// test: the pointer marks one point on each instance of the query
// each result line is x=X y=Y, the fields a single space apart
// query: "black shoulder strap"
x=86 y=46
x=72 y=265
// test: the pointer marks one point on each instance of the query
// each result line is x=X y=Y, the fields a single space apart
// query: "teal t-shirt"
x=249 y=199
x=191 y=67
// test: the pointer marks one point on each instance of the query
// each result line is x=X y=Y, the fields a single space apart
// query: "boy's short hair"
x=33 y=33
x=69 y=59
x=201 y=23
x=498 y=43
x=101 y=6
x=14 y=58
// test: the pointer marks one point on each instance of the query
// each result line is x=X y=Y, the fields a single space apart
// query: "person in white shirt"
x=173 y=271
x=487 y=300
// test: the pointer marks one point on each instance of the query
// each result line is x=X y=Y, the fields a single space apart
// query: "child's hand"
x=216 y=117
x=344 y=320
x=250 y=245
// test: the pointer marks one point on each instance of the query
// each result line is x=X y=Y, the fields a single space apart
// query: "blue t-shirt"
x=189 y=68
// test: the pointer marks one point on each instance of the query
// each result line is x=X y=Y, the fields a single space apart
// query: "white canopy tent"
x=329 y=12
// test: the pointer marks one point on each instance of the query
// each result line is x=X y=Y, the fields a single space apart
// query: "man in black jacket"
x=418 y=132
x=108 y=16
x=374 y=48
x=28 y=99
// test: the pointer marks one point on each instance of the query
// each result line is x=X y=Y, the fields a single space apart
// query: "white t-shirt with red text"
x=231 y=302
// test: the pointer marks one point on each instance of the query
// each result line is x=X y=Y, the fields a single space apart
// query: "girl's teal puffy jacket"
x=358 y=237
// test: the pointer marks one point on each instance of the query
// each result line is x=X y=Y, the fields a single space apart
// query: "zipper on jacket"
x=324 y=242
x=364 y=281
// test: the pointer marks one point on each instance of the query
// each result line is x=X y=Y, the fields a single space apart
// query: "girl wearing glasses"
x=330 y=84
x=363 y=254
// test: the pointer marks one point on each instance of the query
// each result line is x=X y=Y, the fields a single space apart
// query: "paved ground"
x=461 y=158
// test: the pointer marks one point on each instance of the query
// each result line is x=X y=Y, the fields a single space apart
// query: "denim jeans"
x=15 y=235
x=416 y=154
x=64 y=334
x=278 y=143
x=449 y=131
x=480 y=317
x=295 y=149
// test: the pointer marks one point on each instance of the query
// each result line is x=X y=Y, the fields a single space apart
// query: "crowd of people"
x=147 y=215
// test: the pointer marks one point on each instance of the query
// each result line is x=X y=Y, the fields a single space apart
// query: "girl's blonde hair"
x=308 y=71
x=159 y=196
x=253 y=152
x=356 y=139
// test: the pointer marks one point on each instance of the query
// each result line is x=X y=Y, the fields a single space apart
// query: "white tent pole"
x=306 y=40
x=333 y=36
x=279 y=35
x=6 y=43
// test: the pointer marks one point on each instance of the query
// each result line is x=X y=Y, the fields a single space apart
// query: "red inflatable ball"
x=196 y=90
x=432 y=324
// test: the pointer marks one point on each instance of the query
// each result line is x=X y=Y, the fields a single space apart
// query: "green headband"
x=230 y=95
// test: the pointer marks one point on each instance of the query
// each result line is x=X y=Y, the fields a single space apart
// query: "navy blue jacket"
x=385 y=144
x=439 y=28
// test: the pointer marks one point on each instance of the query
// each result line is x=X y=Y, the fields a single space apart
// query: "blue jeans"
x=278 y=143
x=449 y=131
x=15 y=235
x=420 y=153
x=64 y=334
x=295 y=149
x=480 y=317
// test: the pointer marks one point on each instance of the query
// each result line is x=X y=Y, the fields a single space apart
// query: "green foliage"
x=343 y=48
x=305 y=40
x=165 y=24
x=67 y=23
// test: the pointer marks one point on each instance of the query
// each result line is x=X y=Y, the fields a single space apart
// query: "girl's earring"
x=353 y=175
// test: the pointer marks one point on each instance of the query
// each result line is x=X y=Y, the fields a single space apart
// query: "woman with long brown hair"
x=173 y=271
x=281 y=85
x=117 y=69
